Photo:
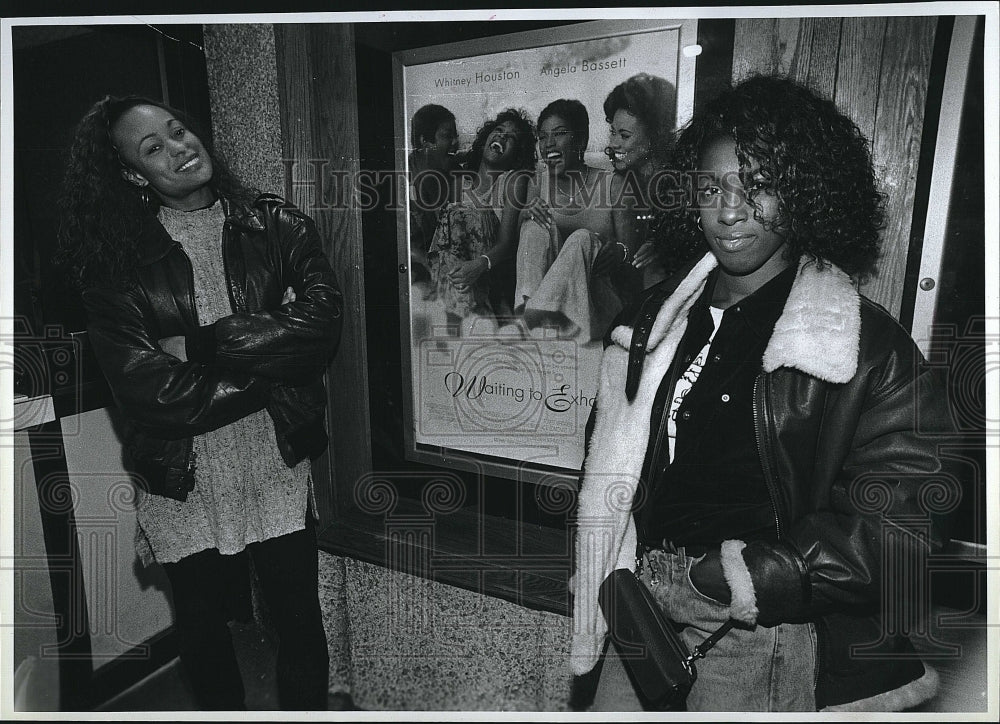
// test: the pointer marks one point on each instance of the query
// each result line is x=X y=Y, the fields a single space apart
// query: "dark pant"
x=286 y=568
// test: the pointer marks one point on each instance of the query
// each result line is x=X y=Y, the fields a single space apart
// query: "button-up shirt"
x=714 y=487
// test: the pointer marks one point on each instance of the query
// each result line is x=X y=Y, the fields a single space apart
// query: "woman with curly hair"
x=471 y=254
x=213 y=313
x=753 y=442
x=642 y=112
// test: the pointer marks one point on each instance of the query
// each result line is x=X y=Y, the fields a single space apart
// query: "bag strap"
x=703 y=648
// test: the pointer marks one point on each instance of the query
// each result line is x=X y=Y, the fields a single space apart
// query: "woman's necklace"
x=643 y=211
x=571 y=194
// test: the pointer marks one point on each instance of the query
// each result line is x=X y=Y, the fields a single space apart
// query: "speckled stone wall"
x=397 y=642
x=243 y=86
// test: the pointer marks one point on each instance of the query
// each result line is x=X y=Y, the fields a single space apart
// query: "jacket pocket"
x=161 y=467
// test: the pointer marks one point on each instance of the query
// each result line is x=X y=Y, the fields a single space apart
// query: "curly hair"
x=574 y=113
x=425 y=122
x=651 y=99
x=102 y=214
x=811 y=155
x=526 y=156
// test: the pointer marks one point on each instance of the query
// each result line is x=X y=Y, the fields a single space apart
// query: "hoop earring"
x=697 y=222
x=144 y=196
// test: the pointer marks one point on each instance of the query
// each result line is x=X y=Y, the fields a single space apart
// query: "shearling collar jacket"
x=264 y=355
x=847 y=415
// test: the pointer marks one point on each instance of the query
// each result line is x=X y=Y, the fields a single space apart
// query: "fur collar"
x=818 y=333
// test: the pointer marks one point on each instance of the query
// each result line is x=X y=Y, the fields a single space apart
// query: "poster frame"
x=500 y=466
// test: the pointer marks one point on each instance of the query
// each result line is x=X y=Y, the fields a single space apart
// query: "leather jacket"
x=264 y=355
x=852 y=470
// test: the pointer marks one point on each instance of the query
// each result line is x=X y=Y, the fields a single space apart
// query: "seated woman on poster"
x=572 y=266
x=471 y=253
x=642 y=112
x=754 y=457
x=431 y=163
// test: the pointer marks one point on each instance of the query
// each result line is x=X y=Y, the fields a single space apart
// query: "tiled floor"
x=169 y=690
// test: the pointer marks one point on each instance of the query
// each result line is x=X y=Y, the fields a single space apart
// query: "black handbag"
x=652 y=651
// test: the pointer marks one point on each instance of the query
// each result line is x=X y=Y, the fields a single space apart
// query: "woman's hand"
x=540 y=212
x=175 y=346
x=465 y=274
x=645 y=256
x=610 y=256
x=708 y=578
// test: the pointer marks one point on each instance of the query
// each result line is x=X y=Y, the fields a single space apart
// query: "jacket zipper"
x=190 y=463
x=658 y=445
x=761 y=411
x=225 y=269
x=763 y=449
x=189 y=468
x=192 y=305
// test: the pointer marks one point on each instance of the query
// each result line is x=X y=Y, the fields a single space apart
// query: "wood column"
x=319 y=139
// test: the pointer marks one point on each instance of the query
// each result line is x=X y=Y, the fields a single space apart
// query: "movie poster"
x=482 y=380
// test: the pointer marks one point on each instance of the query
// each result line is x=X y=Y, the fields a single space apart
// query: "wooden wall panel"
x=754 y=47
x=858 y=70
x=793 y=47
x=821 y=73
x=899 y=121
x=335 y=107
x=317 y=87
x=802 y=48
x=876 y=70
x=295 y=110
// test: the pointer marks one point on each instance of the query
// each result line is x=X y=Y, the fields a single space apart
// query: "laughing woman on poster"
x=572 y=266
x=213 y=313
x=471 y=253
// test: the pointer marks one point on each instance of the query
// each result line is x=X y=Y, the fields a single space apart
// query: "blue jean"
x=749 y=669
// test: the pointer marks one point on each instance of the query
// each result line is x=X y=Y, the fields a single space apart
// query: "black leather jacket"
x=854 y=479
x=264 y=355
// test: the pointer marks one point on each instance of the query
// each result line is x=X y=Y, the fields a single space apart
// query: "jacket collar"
x=241 y=214
x=819 y=330
x=154 y=242
x=817 y=333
